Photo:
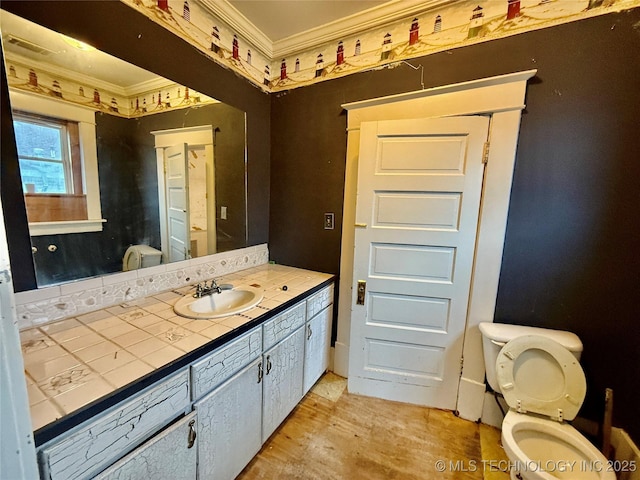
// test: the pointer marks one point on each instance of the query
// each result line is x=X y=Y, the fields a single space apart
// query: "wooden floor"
x=353 y=437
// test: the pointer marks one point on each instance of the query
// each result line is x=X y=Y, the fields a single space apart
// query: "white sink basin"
x=217 y=305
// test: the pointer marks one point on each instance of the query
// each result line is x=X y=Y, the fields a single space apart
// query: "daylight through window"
x=45 y=155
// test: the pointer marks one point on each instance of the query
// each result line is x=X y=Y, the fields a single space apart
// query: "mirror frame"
x=152 y=47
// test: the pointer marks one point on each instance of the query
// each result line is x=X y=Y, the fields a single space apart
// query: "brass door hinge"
x=485 y=153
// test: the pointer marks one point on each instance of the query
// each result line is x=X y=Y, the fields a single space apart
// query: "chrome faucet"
x=202 y=289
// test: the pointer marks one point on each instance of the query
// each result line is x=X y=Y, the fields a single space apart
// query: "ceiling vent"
x=26 y=44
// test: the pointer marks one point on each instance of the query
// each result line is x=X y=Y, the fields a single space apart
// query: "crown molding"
x=64 y=73
x=230 y=15
x=384 y=14
x=148 y=86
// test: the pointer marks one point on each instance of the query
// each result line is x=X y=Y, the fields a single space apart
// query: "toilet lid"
x=537 y=374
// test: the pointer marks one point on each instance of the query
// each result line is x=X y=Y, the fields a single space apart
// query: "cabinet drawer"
x=220 y=365
x=98 y=443
x=319 y=301
x=166 y=455
x=282 y=325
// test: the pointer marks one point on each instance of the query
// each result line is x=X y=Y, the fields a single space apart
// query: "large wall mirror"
x=112 y=156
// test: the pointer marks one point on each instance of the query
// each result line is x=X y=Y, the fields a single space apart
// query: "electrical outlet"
x=328 y=221
x=223 y=213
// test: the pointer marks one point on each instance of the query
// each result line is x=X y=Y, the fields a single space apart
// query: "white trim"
x=503 y=98
x=88 y=151
x=384 y=14
x=230 y=15
x=381 y=15
x=17 y=455
x=53 y=108
x=475 y=91
x=63 y=73
x=70 y=226
x=201 y=135
x=129 y=92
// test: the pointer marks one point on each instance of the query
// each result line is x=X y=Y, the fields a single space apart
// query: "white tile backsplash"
x=39 y=295
x=80 y=286
x=46 y=305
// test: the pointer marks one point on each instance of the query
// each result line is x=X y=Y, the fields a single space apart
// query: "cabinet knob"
x=191 y=438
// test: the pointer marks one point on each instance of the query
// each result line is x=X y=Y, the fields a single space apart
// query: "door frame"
x=502 y=97
x=200 y=136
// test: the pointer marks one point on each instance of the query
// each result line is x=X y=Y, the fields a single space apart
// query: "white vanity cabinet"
x=208 y=419
x=283 y=358
x=229 y=421
x=282 y=383
x=170 y=454
x=222 y=363
x=96 y=444
x=317 y=336
x=316 y=348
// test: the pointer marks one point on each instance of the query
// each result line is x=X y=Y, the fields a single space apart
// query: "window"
x=58 y=163
x=47 y=161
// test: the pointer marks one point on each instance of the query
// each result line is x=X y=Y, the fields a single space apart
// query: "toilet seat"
x=537 y=374
x=548 y=450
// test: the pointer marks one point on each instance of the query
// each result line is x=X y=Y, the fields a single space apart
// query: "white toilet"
x=537 y=370
x=140 y=256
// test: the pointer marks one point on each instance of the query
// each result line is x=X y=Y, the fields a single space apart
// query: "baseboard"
x=341 y=359
x=470 y=399
x=626 y=461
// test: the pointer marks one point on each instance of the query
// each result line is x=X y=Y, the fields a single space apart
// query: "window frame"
x=71 y=159
x=85 y=119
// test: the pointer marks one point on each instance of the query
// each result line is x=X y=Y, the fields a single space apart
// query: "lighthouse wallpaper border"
x=458 y=24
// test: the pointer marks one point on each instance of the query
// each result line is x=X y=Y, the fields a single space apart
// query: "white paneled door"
x=177 y=181
x=419 y=191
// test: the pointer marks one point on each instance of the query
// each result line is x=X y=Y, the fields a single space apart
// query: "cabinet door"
x=282 y=389
x=170 y=454
x=229 y=421
x=317 y=345
x=108 y=436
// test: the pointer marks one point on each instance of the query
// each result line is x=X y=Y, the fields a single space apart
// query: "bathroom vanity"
x=212 y=393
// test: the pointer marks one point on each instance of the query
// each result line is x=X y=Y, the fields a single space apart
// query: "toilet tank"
x=140 y=256
x=496 y=335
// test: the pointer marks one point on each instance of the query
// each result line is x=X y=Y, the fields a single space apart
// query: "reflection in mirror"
x=112 y=156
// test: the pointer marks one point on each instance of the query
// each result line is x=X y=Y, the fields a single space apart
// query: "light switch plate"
x=329 y=221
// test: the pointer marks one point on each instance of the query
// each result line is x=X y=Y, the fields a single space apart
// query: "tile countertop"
x=77 y=361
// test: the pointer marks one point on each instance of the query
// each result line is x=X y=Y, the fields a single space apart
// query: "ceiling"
x=278 y=19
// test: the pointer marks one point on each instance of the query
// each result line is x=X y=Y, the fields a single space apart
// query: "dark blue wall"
x=155 y=49
x=571 y=256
